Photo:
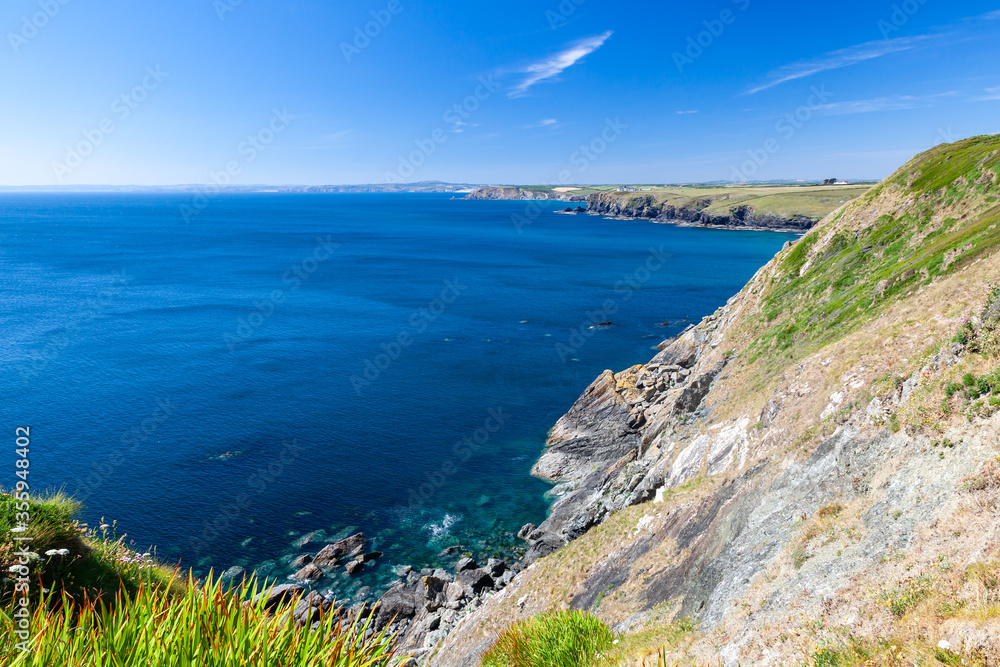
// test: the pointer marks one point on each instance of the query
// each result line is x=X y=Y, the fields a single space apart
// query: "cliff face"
x=811 y=471
x=509 y=193
x=695 y=212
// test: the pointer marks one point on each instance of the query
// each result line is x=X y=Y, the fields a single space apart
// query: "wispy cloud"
x=836 y=60
x=991 y=16
x=545 y=122
x=989 y=94
x=889 y=103
x=557 y=64
x=684 y=113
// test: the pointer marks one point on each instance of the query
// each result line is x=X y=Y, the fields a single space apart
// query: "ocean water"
x=285 y=367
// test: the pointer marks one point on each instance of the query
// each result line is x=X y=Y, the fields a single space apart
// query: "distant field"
x=814 y=201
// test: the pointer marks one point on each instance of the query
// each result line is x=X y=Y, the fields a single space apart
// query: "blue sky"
x=578 y=91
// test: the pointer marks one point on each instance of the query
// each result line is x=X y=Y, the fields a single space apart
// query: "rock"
x=310 y=608
x=466 y=563
x=404 y=571
x=276 y=595
x=455 y=592
x=232 y=573
x=347 y=547
x=507 y=577
x=369 y=557
x=474 y=582
x=302 y=561
x=432 y=622
x=309 y=573
x=434 y=638
x=354 y=567
x=434 y=592
x=399 y=603
x=526 y=530
x=444 y=575
x=363 y=592
x=495 y=567
x=450 y=551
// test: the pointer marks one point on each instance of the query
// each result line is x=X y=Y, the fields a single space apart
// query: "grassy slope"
x=882 y=283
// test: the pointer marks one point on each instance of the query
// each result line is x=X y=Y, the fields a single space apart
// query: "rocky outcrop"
x=510 y=193
x=696 y=212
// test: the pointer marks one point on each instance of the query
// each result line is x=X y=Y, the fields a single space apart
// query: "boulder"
x=495 y=567
x=368 y=557
x=310 y=608
x=354 y=567
x=399 y=603
x=474 y=582
x=526 y=529
x=455 y=592
x=302 y=561
x=466 y=564
x=276 y=595
x=309 y=573
x=345 y=548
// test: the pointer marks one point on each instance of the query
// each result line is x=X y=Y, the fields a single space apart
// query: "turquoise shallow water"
x=286 y=364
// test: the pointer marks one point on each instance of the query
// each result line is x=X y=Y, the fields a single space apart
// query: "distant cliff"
x=516 y=193
x=703 y=212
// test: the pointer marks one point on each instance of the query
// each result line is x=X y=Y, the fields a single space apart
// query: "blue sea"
x=241 y=384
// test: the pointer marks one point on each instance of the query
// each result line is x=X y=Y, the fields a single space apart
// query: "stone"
x=466 y=563
x=433 y=621
x=495 y=567
x=276 y=595
x=232 y=573
x=347 y=547
x=354 y=567
x=310 y=608
x=444 y=575
x=369 y=557
x=455 y=592
x=404 y=571
x=399 y=603
x=309 y=573
x=474 y=582
x=507 y=577
x=302 y=561
x=526 y=529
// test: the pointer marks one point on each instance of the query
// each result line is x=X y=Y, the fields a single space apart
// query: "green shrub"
x=559 y=639
x=969 y=380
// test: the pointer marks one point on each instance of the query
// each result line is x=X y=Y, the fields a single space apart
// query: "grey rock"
x=302 y=561
x=354 y=567
x=309 y=573
x=345 y=548
x=495 y=567
x=466 y=564
x=276 y=595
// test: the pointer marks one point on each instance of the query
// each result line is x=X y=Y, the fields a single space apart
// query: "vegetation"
x=205 y=625
x=94 y=601
x=558 y=639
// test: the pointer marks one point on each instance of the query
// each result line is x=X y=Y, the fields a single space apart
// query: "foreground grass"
x=559 y=639
x=207 y=626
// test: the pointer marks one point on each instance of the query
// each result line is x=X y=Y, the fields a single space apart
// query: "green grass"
x=860 y=272
x=558 y=639
x=92 y=564
x=208 y=626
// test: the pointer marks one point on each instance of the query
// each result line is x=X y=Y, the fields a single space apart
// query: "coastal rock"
x=302 y=561
x=309 y=573
x=466 y=563
x=276 y=595
x=354 y=567
x=347 y=547
x=495 y=567
x=473 y=582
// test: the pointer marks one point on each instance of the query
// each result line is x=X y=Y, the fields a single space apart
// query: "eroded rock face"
x=599 y=452
x=348 y=547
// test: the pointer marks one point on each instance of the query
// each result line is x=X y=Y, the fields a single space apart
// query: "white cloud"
x=890 y=103
x=556 y=64
x=836 y=60
x=684 y=113
x=990 y=94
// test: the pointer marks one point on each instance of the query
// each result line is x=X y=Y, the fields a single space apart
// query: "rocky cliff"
x=521 y=194
x=696 y=211
x=811 y=475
